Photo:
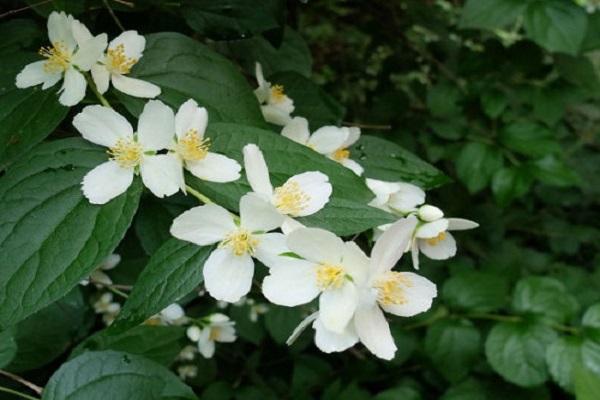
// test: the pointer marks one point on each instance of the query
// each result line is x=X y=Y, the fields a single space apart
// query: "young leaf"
x=490 y=14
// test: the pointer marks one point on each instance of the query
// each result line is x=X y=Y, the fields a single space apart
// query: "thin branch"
x=18 y=394
x=22 y=381
x=18 y=10
x=367 y=126
x=113 y=15
x=125 y=3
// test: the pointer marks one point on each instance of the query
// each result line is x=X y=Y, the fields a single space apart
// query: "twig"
x=125 y=3
x=18 y=10
x=22 y=381
x=15 y=393
x=113 y=15
x=368 y=126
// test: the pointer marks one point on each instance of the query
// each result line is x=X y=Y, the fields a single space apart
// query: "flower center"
x=192 y=147
x=290 y=199
x=390 y=288
x=117 y=61
x=59 y=57
x=277 y=93
x=241 y=242
x=434 y=241
x=341 y=154
x=330 y=276
x=126 y=152
x=215 y=333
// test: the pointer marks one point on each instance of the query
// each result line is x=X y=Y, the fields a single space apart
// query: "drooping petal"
x=407 y=197
x=33 y=74
x=374 y=331
x=337 y=306
x=439 y=249
x=461 y=224
x=353 y=136
x=353 y=166
x=297 y=130
x=90 y=52
x=356 y=263
x=162 y=174
x=391 y=245
x=289 y=225
x=101 y=77
x=135 y=87
x=106 y=181
x=262 y=92
x=228 y=277
x=191 y=117
x=73 y=89
x=203 y=225
x=133 y=44
x=60 y=29
x=316 y=185
x=328 y=139
x=291 y=284
x=269 y=249
x=215 y=168
x=156 y=126
x=414 y=253
x=275 y=114
x=419 y=293
x=432 y=229
x=257 y=214
x=206 y=347
x=257 y=172
x=102 y=125
x=316 y=245
x=328 y=341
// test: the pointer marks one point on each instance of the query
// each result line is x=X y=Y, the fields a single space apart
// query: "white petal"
x=353 y=166
x=419 y=293
x=60 y=29
x=441 y=250
x=291 y=284
x=203 y=225
x=260 y=77
x=256 y=214
x=316 y=185
x=276 y=115
x=317 y=245
x=172 y=312
x=89 y=52
x=289 y=225
x=80 y=32
x=51 y=80
x=337 y=306
x=106 y=181
x=414 y=253
x=226 y=334
x=297 y=130
x=356 y=263
x=162 y=174
x=374 y=331
x=407 y=197
x=215 y=168
x=206 y=347
x=430 y=213
x=353 y=136
x=33 y=74
x=228 y=277
x=432 y=229
x=190 y=116
x=391 y=245
x=262 y=92
x=135 y=87
x=328 y=139
x=328 y=341
x=73 y=89
x=156 y=126
x=193 y=333
x=301 y=327
x=270 y=246
x=133 y=44
x=257 y=172
x=460 y=224
x=102 y=125
x=101 y=77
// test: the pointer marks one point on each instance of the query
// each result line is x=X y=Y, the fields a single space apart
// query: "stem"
x=494 y=317
x=22 y=381
x=198 y=195
x=564 y=328
x=113 y=15
x=367 y=126
x=117 y=291
x=18 y=394
x=92 y=86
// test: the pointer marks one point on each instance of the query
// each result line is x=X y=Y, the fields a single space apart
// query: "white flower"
x=229 y=269
x=188 y=353
x=123 y=53
x=276 y=107
x=327 y=269
x=218 y=328
x=107 y=307
x=98 y=275
x=396 y=197
x=331 y=141
x=73 y=49
x=173 y=314
x=191 y=147
x=187 y=371
x=432 y=236
x=301 y=195
x=129 y=153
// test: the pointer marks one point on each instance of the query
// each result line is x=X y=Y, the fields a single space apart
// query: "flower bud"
x=429 y=213
x=193 y=333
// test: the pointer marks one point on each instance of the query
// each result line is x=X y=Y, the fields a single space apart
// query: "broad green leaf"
x=510 y=183
x=470 y=389
x=46 y=7
x=494 y=102
x=387 y=161
x=562 y=357
x=245 y=327
x=281 y=321
x=490 y=14
x=173 y=271
x=184 y=69
x=116 y=376
x=476 y=291
x=517 y=351
x=476 y=164
x=529 y=139
x=399 y=393
x=18 y=33
x=579 y=71
x=8 y=347
x=309 y=371
x=51 y=237
x=556 y=25
x=590 y=353
x=553 y=171
x=587 y=384
x=453 y=346
x=544 y=296
x=592 y=38
x=591 y=317
x=443 y=99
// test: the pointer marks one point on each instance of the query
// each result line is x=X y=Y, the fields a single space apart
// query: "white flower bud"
x=193 y=333
x=429 y=213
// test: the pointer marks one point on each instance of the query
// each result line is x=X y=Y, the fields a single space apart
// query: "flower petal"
x=133 y=44
x=156 y=126
x=289 y=225
x=190 y=116
x=297 y=130
x=33 y=74
x=419 y=293
x=337 y=306
x=328 y=341
x=257 y=172
x=206 y=347
x=407 y=197
x=414 y=253
x=269 y=249
x=228 y=277
x=391 y=245
x=353 y=136
x=215 y=168
x=73 y=89
x=90 y=52
x=60 y=29
x=80 y=32
x=106 y=181
x=460 y=224
x=356 y=263
x=374 y=331
x=328 y=139
x=102 y=125
x=317 y=245
x=353 y=166
x=291 y=284
x=316 y=185
x=276 y=114
x=256 y=214
x=162 y=174
x=135 y=87
x=439 y=249
x=203 y=225
x=101 y=77
x=432 y=229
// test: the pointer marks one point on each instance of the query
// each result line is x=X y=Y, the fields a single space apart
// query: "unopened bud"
x=429 y=213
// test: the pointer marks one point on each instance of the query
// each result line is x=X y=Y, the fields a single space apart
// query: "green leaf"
x=443 y=99
x=386 y=160
x=18 y=33
x=579 y=71
x=116 y=376
x=587 y=384
x=476 y=291
x=45 y=8
x=8 y=347
x=173 y=271
x=245 y=328
x=517 y=351
x=530 y=139
x=592 y=38
x=544 y=296
x=184 y=69
x=53 y=237
x=281 y=321
x=562 y=357
x=591 y=317
x=399 y=393
x=490 y=14
x=510 y=183
x=453 y=346
x=494 y=102
x=590 y=353
x=556 y=25
x=467 y=390
x=553 y=171
x=153 y=221
x=476 y=164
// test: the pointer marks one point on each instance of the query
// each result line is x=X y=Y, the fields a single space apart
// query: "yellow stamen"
x=277 y=93
x=126 y=152
x=330 y=276
x=59 y=57
x=341 y=154
x=290 y=199
x=215 y=333
x=118 y=62
x=192 y=147
x=390 y=288
x=434 y=241
x=241 y=242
